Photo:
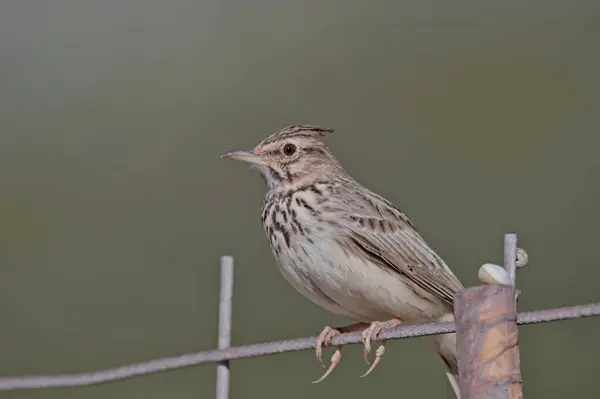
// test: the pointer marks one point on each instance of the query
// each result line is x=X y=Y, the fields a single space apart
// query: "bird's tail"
x=446 y=347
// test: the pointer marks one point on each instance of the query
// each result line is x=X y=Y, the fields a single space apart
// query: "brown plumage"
x=346 y=248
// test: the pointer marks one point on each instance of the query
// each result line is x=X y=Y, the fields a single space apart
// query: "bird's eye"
x=289 y=149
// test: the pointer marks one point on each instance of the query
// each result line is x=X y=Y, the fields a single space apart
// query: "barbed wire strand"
x=268 y=348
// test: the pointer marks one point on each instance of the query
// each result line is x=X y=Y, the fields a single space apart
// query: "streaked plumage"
x=344 y=247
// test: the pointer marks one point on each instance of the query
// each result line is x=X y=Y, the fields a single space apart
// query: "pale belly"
x=352 y=286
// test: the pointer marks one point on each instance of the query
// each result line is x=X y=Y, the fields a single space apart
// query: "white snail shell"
x=493 y=274
x=522 y=257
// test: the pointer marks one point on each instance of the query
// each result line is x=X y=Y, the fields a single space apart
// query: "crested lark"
x=346 y=248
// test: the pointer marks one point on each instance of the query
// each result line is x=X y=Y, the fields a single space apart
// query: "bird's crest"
x=297 y=131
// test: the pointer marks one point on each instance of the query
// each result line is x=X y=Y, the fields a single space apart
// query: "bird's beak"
x=245 y=155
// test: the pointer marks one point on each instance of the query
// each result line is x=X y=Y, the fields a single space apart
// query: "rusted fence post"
x=487 y=337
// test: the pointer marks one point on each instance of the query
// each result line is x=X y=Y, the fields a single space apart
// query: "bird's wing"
x=382 y=232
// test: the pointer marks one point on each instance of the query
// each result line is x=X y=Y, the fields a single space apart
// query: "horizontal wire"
x=269 y=348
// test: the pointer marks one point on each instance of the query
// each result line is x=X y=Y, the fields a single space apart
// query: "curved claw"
x=378 y=356
x=319 y=355
x=366 y=357
x=367 y=337
x=324 y=339
x=371 y=334
x=366 y=352
x=335 y=359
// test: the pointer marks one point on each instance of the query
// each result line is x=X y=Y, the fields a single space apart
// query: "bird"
x=346 y=248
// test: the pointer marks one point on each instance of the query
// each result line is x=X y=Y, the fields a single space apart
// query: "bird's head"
x=291 y=156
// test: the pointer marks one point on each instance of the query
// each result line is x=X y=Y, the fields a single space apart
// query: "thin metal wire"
x=225 y=311
x=268 y=348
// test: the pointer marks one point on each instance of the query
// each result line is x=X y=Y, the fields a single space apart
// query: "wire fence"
x=225 y=353
x=269 y=348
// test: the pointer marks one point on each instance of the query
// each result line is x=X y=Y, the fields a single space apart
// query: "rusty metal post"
x=487 y=338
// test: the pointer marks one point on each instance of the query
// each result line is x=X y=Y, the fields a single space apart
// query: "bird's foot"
x=325 y=338
x=370 y=334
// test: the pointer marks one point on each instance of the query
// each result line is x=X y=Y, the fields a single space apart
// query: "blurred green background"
x=475 y=118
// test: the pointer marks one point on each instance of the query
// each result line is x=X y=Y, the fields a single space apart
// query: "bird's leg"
x=371 y=334
x=324 y=339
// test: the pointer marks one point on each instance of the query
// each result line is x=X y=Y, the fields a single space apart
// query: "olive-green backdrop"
x=475 y=118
